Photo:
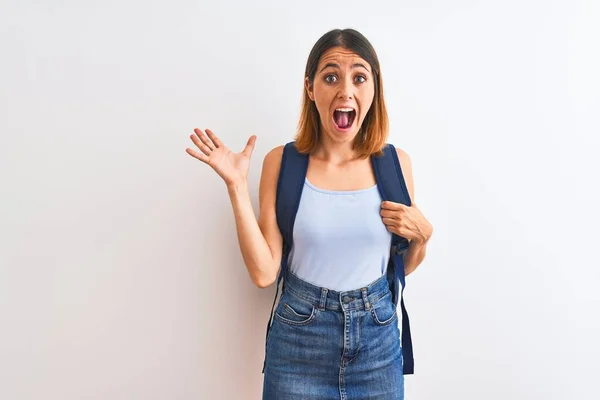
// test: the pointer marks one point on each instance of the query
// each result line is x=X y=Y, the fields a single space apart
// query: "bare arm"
x=260 y=243
x=415 y=254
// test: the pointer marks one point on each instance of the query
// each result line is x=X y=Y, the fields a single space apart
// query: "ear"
x=309 y=88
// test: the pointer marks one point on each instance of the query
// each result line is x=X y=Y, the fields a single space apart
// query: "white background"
x=120 y=271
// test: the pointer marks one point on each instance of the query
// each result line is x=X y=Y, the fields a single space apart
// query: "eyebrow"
x=334 y=65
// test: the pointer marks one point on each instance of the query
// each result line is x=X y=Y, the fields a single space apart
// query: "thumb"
x=249 y=146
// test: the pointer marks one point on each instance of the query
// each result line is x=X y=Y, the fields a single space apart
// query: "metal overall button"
x=347 y=299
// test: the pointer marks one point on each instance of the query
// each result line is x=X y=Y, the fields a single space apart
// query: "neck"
x=336 y=153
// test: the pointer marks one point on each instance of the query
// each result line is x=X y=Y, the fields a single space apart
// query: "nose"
x=346 y=89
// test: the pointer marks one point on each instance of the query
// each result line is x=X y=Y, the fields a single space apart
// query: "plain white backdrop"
x=120 y=272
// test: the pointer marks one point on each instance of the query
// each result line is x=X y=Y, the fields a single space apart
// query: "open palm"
x=232 y=167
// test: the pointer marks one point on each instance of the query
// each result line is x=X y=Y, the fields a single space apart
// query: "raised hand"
x=232 y=167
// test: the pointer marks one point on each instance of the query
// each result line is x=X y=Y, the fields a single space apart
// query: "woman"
x=335 y=333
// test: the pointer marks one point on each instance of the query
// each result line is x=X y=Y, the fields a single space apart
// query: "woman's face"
x=343 y=91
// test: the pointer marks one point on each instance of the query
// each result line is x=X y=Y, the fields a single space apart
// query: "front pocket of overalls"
x=384 y=310
x=293 y=311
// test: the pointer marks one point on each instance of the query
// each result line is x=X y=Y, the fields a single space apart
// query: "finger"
x=392 y=229
x=197 y=155
x=205 y=149
x=206 y=141
x=388 y=213
x=389 y=205
x=250 y=146
x=214 y=138
x=388 y=221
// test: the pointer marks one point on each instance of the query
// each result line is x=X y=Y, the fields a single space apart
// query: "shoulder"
x=269 y=177
x=275 y=152
x=270 y=168
x=273 y=157
x=406 y=166
x=403 y=157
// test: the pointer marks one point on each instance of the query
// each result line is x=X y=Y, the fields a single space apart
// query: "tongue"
x=341 y=119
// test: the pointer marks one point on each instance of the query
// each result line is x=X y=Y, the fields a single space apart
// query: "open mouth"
x=344 y=117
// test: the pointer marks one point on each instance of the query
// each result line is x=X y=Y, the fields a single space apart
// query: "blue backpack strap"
x=392 y=187
x=292 y=173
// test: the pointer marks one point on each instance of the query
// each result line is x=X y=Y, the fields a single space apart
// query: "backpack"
x=392 y=187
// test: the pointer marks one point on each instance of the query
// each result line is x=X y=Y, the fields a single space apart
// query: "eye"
x=359 y=78
x=329 y=81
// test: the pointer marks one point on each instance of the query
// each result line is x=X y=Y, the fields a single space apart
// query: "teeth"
x=344 y=109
